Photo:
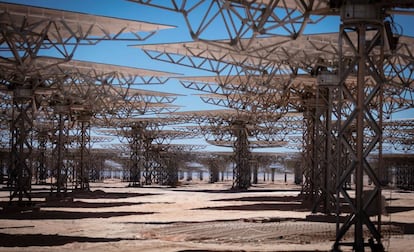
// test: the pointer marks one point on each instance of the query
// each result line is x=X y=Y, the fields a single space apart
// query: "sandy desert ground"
x=196 y=216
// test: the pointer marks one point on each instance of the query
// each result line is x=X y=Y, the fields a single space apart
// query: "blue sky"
x=120 y=53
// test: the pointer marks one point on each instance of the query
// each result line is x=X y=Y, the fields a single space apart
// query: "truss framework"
x=241 y=19
x=241 y=130
x=361 y=130
x=361 y=105
x=29 y=34
x=399 y=133
x=74 y=93
x=147 y=139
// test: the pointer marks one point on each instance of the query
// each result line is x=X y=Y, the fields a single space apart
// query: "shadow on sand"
x=250 y=190
x=265 y=198
x=77 y=204
x=97 y=194
x=56 y=215
x=262 y=207
x=281 y=203
x=26 y=240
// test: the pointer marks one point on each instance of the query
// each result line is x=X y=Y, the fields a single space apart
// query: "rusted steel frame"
x=242 y=169
x=359 y=121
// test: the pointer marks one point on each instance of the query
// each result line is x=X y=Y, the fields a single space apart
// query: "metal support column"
x=136 y=151
x=172 y=171
x=84 y=169
x=158 y=165
x=324 y=142
x=362 y=41
x=41 y=175
x=308 y=160
x=60 y=150
x=255 y=165
x=20 y=174
x=148 y=163
x=214 y=170
x=241 y=170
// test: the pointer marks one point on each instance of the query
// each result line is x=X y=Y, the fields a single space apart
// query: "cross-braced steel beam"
x=60 y=141
x=41 y=169
x=20 y=174
x=136 y=148
x=361 y=118
x=242 y=169
x=83 y=120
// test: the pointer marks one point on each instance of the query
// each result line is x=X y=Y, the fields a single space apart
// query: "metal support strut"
x=136 y=151
x=83 y=174
x=362 y=43
x=241 y=150
x=21 y=148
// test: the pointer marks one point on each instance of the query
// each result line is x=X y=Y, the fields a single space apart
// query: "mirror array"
x=329 y=95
